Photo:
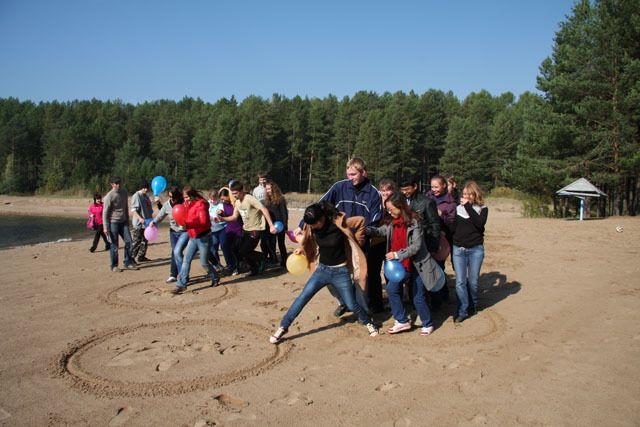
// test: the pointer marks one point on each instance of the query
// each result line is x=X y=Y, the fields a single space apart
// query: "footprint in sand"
x=166 y=365
x=121 y=417
x=400 y=422
x=292 y=398
x=230 y=401
x=387 y=386
x=205 y=423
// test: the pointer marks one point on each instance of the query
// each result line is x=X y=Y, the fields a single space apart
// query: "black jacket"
x=428 y=211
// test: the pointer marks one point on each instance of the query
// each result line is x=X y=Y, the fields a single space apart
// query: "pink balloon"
x=151 y=233
x=292 y=236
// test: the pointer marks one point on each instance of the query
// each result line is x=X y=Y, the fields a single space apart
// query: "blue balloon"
x=440 y=283
x=158 y=184
x=147 y=221
x=279 y=226
x=394 y=271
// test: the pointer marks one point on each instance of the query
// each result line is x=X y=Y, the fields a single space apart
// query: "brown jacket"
x=356 y=260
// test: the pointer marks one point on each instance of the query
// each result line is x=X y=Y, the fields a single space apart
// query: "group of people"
x=346 y=236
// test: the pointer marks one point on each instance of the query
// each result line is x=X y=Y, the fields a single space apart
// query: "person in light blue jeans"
x=468 y=248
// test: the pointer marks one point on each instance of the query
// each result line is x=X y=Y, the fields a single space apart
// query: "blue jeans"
x=200 y=244
x=122 y=229
x=219 y=240
x=394 y=292
x=361 y=296
x=179 y=240
x=471 y=259
x=341 y=279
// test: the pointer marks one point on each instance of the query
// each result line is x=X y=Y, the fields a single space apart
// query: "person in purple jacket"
x=234 y=231
x=446 y=206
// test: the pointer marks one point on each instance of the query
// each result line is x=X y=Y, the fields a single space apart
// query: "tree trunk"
x=310 y=172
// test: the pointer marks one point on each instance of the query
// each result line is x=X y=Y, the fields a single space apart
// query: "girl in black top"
x=468 y=248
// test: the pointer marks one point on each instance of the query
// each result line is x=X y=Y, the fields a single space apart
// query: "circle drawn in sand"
x=148 y=295
x=169 y=358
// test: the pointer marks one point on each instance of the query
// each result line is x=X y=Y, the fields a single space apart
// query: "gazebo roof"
x=581 y=188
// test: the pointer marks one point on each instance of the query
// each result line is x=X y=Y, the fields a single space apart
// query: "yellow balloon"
x=297 y=264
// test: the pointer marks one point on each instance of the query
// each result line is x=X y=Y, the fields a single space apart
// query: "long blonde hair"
x=473 y=187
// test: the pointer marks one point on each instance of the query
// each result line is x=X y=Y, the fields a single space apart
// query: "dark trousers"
x=279 y=239
x=248 y=244
x=375 y=258
x=96 y=239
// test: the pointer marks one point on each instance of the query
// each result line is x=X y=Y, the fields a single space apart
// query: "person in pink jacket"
x=95 y=213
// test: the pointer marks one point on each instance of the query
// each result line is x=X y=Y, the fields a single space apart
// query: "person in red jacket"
x=198 y=226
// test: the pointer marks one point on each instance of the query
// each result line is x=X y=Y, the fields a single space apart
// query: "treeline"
x=586 y=124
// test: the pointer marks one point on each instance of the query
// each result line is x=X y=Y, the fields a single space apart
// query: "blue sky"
x=140 y=50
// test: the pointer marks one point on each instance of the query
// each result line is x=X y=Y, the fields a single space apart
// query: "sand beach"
x=556 y=343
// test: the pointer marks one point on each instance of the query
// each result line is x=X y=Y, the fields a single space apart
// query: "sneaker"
x=399 y=327
x=171 y=279
x=425 y=331
x=235 y=272
x=179 y=290
x=143 y=259
x=277 y=335
x=132 y=267
x=116 y=270
x=92 y=250
x=215 y=282
x=342 y=309
x=373 y=331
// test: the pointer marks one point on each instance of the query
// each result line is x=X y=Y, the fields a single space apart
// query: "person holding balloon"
x=218 y=231
x=333 y=253
x=277 y=207
x=233 y=231
x=142 y=211
x=407 y=258
x=178 y=235
x=198 y=226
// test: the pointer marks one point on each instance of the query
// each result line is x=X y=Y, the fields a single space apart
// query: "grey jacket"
x=167 y=210
x=116 y=207
x=416 y=250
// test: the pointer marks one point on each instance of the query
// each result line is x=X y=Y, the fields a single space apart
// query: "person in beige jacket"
x=334 y=255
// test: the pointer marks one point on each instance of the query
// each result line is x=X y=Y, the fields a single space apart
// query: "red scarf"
x=399 y=241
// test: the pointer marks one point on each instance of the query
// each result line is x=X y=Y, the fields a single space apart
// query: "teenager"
x=141 y=210
x=468 y=248
x=334 y=254
x=277 y=207
x=402 y=228
x=198 y=227
x=233 y=232
x=178 y=235
x=95 y=213
x=115 y=222
x=253 y=216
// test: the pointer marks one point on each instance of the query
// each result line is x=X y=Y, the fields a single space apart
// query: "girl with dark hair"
x=198 y=226
x=334 y=254
x=178 y=235
x=405 y=243
x=277 y=207
x=95 y=213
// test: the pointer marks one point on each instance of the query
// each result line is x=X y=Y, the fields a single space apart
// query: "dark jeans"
x=120 y=229
x=248 y=244
x=272 y=238
x=268 y=247
x=375 y=258
x=233 y=250
x=96 y=239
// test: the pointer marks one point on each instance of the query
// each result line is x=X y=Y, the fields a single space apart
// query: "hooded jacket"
x=356 y=260
x=198 y=221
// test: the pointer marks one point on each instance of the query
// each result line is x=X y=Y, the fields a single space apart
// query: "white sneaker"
x=235 y=272
x=277 y=335
x=426 y=331
x=373 y=331
x=171 y=279
x=399 y=327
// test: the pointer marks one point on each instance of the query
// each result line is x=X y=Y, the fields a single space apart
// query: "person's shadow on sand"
x=493 y=287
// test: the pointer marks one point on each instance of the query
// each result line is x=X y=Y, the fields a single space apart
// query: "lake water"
x=17 y=230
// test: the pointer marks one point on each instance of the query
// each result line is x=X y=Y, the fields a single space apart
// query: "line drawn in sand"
x=157 y=297
x=185 y=356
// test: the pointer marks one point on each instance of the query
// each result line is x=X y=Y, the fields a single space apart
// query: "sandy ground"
x=557 y=340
